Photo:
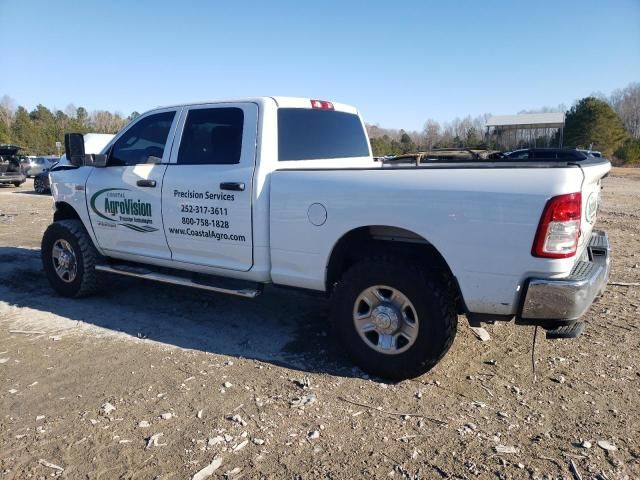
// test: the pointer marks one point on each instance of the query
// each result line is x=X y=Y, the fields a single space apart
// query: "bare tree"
x=431 y=133
x=7 y=110
x=626 y=103
x=103 y=121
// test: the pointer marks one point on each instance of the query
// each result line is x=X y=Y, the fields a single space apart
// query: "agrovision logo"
x=116 y=207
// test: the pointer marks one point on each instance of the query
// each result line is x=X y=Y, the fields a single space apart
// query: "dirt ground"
x=210 y=378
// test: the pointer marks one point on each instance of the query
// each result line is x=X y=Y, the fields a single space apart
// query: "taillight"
x=559 y=228
x=321 y=104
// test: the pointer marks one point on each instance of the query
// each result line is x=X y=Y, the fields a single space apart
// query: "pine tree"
x=593 y=122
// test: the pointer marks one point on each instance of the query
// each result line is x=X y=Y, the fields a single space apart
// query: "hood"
x=95 y=142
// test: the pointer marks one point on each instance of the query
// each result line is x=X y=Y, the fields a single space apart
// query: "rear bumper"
x=555 y=302
x=10 y=178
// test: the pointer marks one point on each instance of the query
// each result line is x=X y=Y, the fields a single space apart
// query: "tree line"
x=610 y=124
x=37 y=131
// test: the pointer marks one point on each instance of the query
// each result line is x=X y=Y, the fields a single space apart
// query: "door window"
x=144 y=142
x=212 y=136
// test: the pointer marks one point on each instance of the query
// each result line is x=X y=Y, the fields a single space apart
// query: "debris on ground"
x=107 y=408
x=50 y=465
x=215 y=440
x=207 y=471
x=154 y=440
x=304 y=382
x=237 y=419
x=302 y=401
x=240 y=446
x=505 y=449
x=481 y=334
x=605 y=445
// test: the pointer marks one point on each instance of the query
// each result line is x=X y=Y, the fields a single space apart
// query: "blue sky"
x=398 y=62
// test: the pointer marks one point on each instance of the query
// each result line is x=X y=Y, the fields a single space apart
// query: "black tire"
x=38 y=186
x=431 y=300
x=17 y=184
x=73 y=232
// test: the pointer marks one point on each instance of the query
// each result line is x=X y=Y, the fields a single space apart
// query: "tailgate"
x=591 y=188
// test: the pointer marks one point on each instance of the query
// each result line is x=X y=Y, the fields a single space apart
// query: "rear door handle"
x=146 y=183
x=235 y=186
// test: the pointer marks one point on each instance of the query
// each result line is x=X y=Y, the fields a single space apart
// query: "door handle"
x=146 y=183
x=235 y=186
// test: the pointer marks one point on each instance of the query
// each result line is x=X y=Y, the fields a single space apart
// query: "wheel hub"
x=386 y=319
x=64 y=260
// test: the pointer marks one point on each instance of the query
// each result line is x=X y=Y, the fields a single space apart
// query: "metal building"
x=527 y=130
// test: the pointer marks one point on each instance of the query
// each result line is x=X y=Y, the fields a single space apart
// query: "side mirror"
x=74 y=148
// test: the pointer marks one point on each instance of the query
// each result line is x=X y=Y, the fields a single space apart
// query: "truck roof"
x=281 y=102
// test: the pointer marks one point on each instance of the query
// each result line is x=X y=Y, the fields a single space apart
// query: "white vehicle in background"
x=37 y=165
x=94 y=143
x=228 y=196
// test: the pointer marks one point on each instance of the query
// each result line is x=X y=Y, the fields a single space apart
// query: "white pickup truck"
x=228 y=196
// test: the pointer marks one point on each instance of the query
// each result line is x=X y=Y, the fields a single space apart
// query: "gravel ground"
x=151 y=381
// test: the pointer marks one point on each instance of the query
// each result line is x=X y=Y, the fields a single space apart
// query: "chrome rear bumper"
x=553 y=302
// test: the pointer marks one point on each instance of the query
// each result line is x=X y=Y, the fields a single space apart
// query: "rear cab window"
x=314 y=134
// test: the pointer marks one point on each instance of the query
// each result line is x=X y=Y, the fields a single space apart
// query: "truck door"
x=207 y=190
x=124 y=198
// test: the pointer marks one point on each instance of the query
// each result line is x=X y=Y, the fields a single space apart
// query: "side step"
x=572 y=330
x=141 y=272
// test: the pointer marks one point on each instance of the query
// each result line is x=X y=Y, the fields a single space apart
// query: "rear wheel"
x=395 y=320
x=69 y=259
x=17 y=184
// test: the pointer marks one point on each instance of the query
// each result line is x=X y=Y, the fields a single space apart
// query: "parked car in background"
x=38 y=165
x=94 y=143
x=11 y=171
x=41 y=182
x=546 y=154
x=593 y=153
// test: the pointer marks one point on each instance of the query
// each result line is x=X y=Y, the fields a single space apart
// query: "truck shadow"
x=283 y=327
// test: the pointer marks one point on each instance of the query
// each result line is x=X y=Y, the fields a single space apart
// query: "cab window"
x=144 y=142
x=212 y=136
x=310 y=134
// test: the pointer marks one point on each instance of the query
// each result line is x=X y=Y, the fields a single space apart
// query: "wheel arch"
x=371 y=240
x=65 y=211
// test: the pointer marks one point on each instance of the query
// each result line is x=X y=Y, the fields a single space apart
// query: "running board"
x=176 y=280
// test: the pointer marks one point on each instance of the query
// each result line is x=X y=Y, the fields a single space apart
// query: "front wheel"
x=38 y=186
x=395 y=319
x=69 y=258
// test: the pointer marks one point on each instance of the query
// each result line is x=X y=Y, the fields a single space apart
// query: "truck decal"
x=133 y=214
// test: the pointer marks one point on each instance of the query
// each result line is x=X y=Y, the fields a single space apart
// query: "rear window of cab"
x=310 y=134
